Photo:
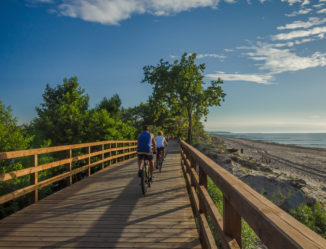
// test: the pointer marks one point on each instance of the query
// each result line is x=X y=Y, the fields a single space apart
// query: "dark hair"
x=145 y=128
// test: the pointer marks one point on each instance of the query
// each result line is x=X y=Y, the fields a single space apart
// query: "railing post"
x=116 y=152
x=34 y=181
x=192 y=165
x=69 y=167
x=103 y=155
x=124 y=151
x=110 y=154
x=89 y=160
x=202 y=182
x=231 y=221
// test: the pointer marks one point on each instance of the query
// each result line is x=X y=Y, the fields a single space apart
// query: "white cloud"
x=319 y=5
x=200 y=56
x=312 y=21
x=300 y=12
x=299 y=33
x=277 y=60
x=257 y=78
x=294 y=1
x=40 y=1
x=297 y=42
x=111 y=12
x=322 y=11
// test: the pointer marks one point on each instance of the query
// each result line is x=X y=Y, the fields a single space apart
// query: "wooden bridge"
x=108 y=210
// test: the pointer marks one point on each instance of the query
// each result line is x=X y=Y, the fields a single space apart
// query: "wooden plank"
x=217 y=219
x=31 y=170
x=23 y=153
x=28 y=189
x=231 y=222
x=85 y=244
x=207 y=234
x=275 y=228
x=108 y=210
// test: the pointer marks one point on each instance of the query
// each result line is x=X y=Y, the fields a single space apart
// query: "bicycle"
x=145 y=177
x=159 y=159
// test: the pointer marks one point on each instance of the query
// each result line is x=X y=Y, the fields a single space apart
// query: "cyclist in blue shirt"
x=144 y=150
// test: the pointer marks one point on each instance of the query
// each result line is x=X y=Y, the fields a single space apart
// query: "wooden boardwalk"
x=108 y=210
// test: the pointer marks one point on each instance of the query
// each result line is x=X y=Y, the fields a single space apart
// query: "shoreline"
x=259 y=163
x=296 y=145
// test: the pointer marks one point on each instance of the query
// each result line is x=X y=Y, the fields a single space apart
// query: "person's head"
x=145 y=128
x=160 y=133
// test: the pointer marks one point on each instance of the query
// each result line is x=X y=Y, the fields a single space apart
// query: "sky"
x=271 y=54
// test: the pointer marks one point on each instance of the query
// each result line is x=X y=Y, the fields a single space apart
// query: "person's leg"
x=140 y=161
x=151 y=164
x=156 y=161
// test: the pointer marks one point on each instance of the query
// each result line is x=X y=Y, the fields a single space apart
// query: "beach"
x=273 y=167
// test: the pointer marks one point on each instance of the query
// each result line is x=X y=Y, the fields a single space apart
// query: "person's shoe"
x=140 y=172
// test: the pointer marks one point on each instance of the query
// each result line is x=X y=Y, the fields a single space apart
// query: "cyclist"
x=144 y=150
x=160 y=144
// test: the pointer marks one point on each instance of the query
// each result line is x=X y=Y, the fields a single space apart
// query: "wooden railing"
x=74 y=157
x=274 y=227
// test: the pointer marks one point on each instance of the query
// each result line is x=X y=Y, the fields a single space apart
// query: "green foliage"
x=63 y=118
x=102 y=127
x=314 y=217
x=62 y=112
x=11 y=135
x=112 y=105
x=178 y=89
x=11 y=138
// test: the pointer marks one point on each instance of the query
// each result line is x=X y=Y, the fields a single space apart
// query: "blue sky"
x=271 y=54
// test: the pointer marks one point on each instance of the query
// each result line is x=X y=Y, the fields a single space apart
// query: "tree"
x=11 y=138
x=11 y=135
x=180 y=88
x=111 y=105
x=100 y=126
x=61 y=115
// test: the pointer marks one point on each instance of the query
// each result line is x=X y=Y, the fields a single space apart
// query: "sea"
x=314 y=140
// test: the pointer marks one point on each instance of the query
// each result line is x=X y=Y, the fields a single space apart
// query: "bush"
x=313 y=217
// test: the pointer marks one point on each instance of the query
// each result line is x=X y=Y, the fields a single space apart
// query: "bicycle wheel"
x=160 y=164
x=144 y=180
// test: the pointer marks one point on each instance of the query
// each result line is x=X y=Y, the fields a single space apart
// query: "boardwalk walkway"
x=108 y=210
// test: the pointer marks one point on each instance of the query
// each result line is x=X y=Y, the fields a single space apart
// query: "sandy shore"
x=308 y=164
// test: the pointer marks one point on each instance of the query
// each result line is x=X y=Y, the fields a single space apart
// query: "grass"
x=249 y=238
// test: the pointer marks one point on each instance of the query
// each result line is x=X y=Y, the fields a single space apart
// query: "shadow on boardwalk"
x=108 y=210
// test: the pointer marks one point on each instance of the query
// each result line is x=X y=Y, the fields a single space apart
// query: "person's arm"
x=165 y=142
x=153 y=141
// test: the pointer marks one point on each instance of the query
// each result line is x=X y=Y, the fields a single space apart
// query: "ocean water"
x=315 y=140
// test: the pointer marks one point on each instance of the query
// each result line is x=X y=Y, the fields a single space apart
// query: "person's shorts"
x=145 y=156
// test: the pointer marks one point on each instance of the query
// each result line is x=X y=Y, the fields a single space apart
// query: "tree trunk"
x=189 y=140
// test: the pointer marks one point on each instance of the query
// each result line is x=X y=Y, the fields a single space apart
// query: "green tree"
x=102 y=127
x=180 y=88
x=11 y=135
x=112 y=105
x=11 y=138
x=61 y=115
